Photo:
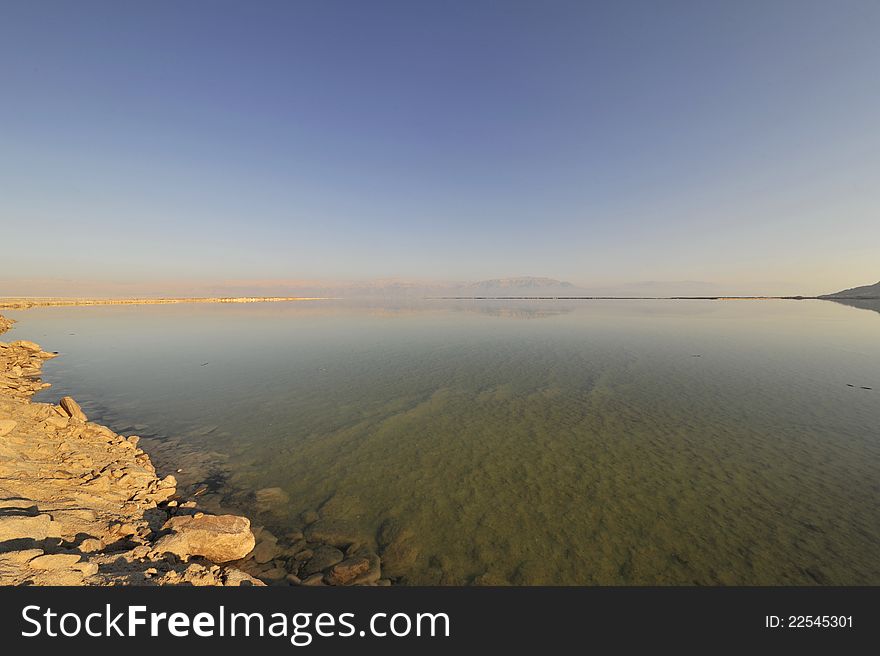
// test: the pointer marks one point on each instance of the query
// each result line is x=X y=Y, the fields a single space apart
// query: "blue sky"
x=602 y=143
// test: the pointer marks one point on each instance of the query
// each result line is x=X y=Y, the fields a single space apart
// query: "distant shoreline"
x=633 y=298
x=20 y=303
x=23 y=303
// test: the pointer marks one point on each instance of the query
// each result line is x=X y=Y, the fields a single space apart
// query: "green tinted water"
x=525 y=442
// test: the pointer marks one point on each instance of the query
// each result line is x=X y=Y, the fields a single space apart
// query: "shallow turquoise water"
x=525 y=442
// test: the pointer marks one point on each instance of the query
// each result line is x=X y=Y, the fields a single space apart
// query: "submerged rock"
x=323 y=557
x=275 y=574
x=347 y=571
x=389 y=531
x=399 y=557
x=265 y=551
x=336 y=532
x=271 y=497
x=314 y=579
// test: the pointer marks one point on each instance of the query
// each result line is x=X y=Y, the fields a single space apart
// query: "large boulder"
x=72 y=408
x=219 y=538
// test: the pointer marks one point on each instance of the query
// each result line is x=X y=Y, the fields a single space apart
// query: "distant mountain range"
x=516 y=286
x=401 y=288
x=526 y=285
x=526 y=282
x=863 y=292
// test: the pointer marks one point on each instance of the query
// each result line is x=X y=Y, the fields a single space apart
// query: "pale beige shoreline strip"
x=22 y=303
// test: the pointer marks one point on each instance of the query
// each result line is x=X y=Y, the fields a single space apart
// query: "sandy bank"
x=26 y=302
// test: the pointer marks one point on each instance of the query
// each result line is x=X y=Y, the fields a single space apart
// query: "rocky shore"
x=82 y=505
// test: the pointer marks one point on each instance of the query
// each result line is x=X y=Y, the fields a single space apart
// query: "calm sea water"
x=524 y=442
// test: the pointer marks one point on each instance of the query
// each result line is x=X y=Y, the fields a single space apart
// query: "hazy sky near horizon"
x=596 y=142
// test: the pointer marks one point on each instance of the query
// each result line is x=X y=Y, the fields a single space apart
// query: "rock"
x=309 y=517
x=293 y=579
x=219 y=538
x=373 y=574
x=265 y=551
x=314 y=579
x=87 y=569
x=323 y=557
x=54 y=561
x=305 y=554
x=72 y=408
x=18 y=506
x=337 y=532
x=399 y=556
x=389 y=531
x=168 y=481
x=16 y=527
x=357 y=549
x=348 y=570
x=25 y=344
x=531 y=572
x=19 y=558
x=271 y=497
x=140 y=551
x=58 y=422
x=6 y=426
x=490 y=579
x=123 y=530
x=275 y=574
x=235 y=577
x=161 y=494
x=91 y=545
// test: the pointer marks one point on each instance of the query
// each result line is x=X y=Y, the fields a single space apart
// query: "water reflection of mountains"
x=508 y=310
x=860 y=303
x=502 y=309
